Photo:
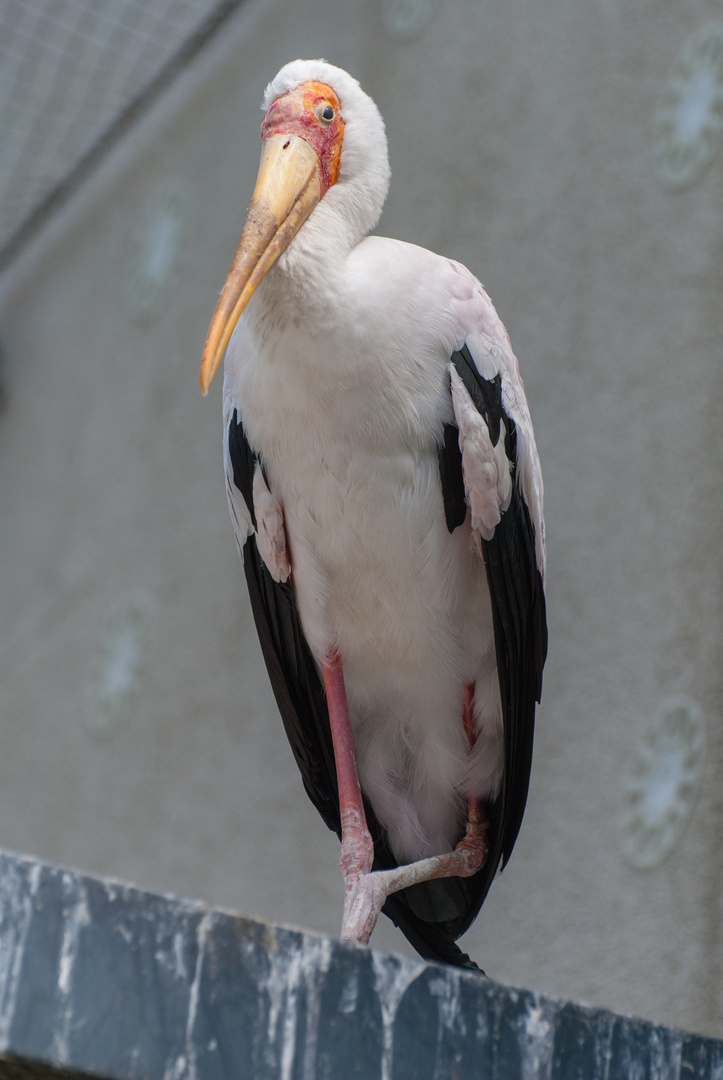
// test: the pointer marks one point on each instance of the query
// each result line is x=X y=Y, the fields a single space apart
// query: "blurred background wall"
x=569 y=155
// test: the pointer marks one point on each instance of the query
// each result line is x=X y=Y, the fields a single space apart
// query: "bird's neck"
x=308 y=279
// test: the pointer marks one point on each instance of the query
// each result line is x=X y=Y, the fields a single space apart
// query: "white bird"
x=386 y=496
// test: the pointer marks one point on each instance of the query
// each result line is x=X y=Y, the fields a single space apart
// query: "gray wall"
x=522 y=141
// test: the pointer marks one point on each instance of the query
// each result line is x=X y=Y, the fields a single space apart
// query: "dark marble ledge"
x=101 y=979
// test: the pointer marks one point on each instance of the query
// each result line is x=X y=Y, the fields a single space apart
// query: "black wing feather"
x=518 y=611
x=450 y=473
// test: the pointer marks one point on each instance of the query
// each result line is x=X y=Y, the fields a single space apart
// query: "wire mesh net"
x=68 y=70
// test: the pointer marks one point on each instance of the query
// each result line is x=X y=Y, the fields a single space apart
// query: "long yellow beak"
x=287 y=190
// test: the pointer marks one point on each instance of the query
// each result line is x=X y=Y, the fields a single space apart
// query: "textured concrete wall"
x=207 y=995
x=139 y=738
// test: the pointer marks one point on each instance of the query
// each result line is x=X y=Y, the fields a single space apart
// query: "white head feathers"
x=363 y=182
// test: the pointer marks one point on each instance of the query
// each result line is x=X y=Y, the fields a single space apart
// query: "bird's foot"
x=366 y=896
x=362 y=906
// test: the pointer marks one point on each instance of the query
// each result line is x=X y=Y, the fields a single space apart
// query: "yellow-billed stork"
x=386 y=496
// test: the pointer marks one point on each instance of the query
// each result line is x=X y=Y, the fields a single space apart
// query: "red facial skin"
x=299 y=113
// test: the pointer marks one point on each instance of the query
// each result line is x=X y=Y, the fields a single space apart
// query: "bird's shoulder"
x=436 y=285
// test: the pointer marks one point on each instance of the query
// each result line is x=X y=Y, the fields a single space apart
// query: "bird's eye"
x=327 y=115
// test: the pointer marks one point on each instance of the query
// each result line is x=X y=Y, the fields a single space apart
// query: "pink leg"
x=365 y=892
x=476 y=824
x=357 y=847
